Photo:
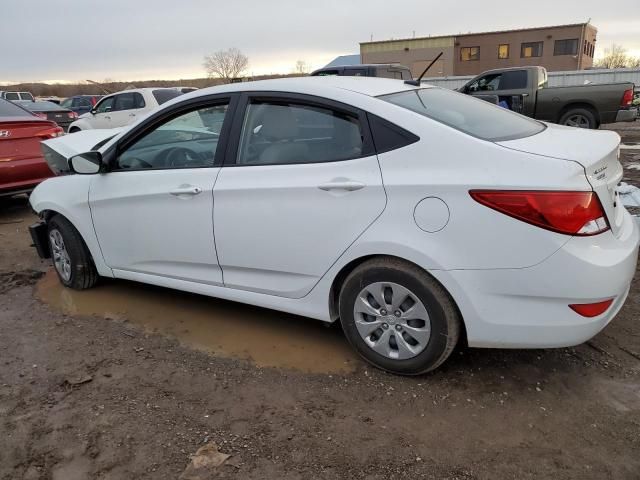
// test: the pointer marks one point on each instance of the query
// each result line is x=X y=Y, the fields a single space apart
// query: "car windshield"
x=469 y=115
x=8 y=109
x=165 y=94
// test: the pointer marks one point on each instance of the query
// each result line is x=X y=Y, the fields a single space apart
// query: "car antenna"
x=416 y=83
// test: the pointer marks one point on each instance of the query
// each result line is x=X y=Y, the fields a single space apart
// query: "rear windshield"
x=165 y=94
x=469 y=115
x=8 y=109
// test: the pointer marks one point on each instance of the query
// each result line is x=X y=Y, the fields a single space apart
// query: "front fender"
x=69 y=196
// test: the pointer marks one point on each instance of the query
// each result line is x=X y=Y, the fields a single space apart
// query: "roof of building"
x=344 y=60
x=478 y=33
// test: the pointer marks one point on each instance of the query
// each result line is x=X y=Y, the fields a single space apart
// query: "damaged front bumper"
x=40 y=239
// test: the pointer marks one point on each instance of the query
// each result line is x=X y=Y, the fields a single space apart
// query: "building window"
x=531 y=49
x=469 y=53
x=503 y=51
x=566 y=47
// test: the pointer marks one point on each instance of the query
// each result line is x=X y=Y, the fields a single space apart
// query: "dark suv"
x=394 y=70
x=81 y=103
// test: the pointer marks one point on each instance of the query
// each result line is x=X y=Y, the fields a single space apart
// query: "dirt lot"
x=127 y=381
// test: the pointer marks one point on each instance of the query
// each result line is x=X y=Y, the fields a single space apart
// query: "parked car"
x=185 y=89
x=399 y=72
x=525 y=90
x=81 y=103
x=16 y=96
x=415 y=216
x=123 y=108
x=22 y=166
x=50 y=111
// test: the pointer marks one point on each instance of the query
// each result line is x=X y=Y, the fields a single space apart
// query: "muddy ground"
x=126 y=381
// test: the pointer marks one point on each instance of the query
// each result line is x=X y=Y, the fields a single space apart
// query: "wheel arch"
x=577 y=105
x=343 y=273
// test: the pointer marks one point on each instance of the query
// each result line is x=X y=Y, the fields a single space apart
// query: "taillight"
x=41 y=115
x=627 y=98
x=52 y=132
x=570 y=213
x=72 y=115
x=591 y=310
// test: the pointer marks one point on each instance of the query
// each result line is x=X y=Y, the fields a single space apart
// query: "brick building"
x=558 y=48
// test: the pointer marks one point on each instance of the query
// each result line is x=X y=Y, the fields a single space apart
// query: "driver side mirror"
x=86 y=163
x=92 y=111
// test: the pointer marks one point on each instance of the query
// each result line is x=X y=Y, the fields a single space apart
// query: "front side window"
x=530 y=50
x=187 y=141
x=469 y=53
x=12 y=96
x=67 y=103
x=105 y=105
x=503 y=51
x=566 y=47
x=467 y=114
x=285 y=133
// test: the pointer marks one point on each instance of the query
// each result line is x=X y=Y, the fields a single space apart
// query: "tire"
x=393 y=278
x=71 y=258
x=580 y=118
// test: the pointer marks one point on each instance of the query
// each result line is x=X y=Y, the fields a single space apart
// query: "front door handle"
x=132 y=114
x=186 y=190
x=348 y=185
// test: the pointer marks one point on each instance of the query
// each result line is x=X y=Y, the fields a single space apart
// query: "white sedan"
x=414 y=216
x=123 y=108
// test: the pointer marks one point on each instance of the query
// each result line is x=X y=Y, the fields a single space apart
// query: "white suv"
x=122 y=108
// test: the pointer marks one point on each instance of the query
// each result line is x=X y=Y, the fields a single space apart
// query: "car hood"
x=58 y=151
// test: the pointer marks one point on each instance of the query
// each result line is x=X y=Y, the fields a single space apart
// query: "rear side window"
x=469 y=115
x=288 y=133
x=129 y=101
x=8 y=109
x=12 y=96
x=513 y=80
x=163 y=95
x=387 y=136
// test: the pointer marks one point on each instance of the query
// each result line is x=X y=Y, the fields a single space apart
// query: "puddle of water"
x=228 y=329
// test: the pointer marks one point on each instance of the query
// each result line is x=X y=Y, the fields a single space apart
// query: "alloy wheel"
x=61 y=259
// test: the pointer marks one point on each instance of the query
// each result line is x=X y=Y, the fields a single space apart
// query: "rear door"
x=126 y=108
x=302 y=182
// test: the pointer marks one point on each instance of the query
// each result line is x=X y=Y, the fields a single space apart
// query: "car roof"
x=321 y=86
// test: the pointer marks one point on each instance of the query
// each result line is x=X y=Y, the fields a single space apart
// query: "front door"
x=153 y=213
x=303 y=184
x=101 y=118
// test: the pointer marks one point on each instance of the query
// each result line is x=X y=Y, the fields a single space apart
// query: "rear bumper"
x=529 y=307
x=22 y=175
x=627 y=115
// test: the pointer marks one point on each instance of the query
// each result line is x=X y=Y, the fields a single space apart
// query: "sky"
x=71 y=40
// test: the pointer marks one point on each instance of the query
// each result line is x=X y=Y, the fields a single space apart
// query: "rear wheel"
x=580 y=118
x=398 y=317
x=71 y=258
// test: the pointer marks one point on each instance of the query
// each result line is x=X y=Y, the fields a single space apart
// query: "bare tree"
x=616 y=57
x=301 y=68
x=226 y=64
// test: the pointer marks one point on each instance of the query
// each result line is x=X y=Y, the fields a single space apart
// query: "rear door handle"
x=347 y=185
x=132 y=114
x=186 y=190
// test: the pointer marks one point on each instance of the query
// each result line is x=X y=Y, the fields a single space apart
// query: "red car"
x=22 y=165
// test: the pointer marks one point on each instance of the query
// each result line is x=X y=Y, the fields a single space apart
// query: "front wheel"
x=398 y=317
x=71 y=258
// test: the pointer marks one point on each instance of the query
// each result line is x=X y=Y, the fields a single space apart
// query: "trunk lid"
x=20 y=139
x=597 y=152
